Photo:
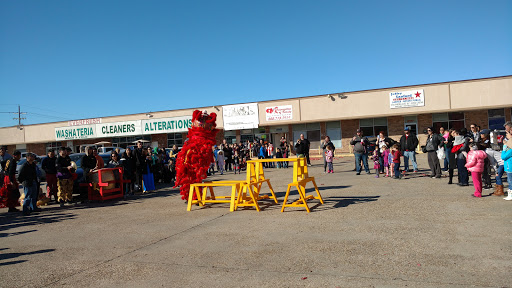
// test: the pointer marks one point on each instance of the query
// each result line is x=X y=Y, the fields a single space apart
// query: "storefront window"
x=452 y=120
x=311 y=132
x=230 y=136
x=333 y=130
x=496 y=119
x=174 y=139
x=412 y=123
x=53 y=145
x=373 y=126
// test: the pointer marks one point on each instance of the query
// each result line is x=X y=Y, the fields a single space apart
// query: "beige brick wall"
x=478 y=117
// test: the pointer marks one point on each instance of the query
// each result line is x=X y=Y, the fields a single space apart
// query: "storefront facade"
x=485 y=102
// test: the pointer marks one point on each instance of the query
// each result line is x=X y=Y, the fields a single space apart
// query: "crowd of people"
x=470 y=153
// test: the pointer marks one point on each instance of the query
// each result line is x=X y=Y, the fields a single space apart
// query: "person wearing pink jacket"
x=475 y=164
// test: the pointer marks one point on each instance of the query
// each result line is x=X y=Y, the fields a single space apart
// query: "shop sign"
x=166 y=125
x=405 y=99
x=115 y=129
x=278 y=113
x=241 y=116
x=75 y=132
x=84 y=122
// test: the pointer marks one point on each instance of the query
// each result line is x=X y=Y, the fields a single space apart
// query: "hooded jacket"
x=475 y=161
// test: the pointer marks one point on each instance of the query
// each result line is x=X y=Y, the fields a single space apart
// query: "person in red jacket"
x=475 y=164
x=395 y=152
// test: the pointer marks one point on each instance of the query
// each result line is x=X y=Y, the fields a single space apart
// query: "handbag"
x=440 y=153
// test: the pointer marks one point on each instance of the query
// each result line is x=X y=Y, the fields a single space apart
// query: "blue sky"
x=64 y=60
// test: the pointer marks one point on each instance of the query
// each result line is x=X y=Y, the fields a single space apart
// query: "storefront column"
x=478 y=117
x=349 y=128
x=161 y=139
x=323 y=131
x=238 y=137
x=424 y=121
x=508 y=116
x=395 y=127
x=39 y=148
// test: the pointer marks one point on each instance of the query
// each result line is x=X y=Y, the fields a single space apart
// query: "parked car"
x=109 y=149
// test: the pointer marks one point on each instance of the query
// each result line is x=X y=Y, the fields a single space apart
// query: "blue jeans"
x=396 y=170
x=500 y=171
x=31 y=193
x=412 y=155
x=359 y=157
x=509 y=180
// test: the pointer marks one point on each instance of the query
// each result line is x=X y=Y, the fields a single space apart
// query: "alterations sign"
x=278 y=113
x=406 y=99
x=127 y=128
x=241 y=116
x=167 y=125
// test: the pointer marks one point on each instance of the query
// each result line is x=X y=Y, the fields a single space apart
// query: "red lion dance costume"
x=196 y=155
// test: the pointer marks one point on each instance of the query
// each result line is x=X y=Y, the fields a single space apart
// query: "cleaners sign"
x=405 y=99
x=127 y=128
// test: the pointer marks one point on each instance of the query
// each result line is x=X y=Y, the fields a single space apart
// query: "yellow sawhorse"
x=301 y=188
x=201 y=189
x=250 y=195
x=300 y=178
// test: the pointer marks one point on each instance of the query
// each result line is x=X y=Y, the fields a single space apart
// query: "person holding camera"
x=300 y=148
x=361 y=144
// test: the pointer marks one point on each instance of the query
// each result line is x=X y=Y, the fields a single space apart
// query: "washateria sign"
x=127 y=128
x=278 y=113
x=405 y=99
x=241 y=116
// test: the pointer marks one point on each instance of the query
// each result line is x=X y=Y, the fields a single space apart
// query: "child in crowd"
x=279 y=154
x=390 y=162
x=329 y=156
x=494 y=156
x=220 y=161
x=376 y=164
x=385 y=156
x=475 y=164
x=236 y=161
x=396 y=161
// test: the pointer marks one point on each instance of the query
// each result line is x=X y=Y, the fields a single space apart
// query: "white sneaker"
x=509 y=197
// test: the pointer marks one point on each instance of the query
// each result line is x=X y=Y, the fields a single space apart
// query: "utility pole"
x=19 y=118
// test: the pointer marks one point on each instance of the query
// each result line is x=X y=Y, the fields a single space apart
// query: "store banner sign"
x=167 y=125
x=84 y=122
x=75 y=132
x=127 y=128
x=405 y=99
x=116 y=129
x=241 y=116
x=278 y=113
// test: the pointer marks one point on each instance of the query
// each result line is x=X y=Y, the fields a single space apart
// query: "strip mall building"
x=485 y=102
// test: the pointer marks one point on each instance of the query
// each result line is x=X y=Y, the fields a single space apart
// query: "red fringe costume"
x=196 y=155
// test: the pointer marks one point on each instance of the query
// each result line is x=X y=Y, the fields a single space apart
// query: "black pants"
x=307 y=157
x=227 y=165
x=138 y=179
x=433 y=163
x=486 y=175
x=462 y=171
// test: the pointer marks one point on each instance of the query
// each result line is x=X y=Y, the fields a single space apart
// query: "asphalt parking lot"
x=414 y=232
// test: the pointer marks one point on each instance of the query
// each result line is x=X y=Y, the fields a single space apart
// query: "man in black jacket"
x=28 y=177
x=307 y=145
x=140 y=162
x=48 y=165
x=434 y=141
x=408 y=144
x=300 y=148
x=361 y=144
x=64 y=177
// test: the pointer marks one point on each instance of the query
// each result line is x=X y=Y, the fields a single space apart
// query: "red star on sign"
x=417 y=94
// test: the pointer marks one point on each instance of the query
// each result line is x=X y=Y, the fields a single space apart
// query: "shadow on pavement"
x=5 y=256
x=341 y=201
x=11 y=221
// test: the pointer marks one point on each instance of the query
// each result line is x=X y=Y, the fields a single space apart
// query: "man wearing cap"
x=49 y=167
x=408 y=144
x=360 y=151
